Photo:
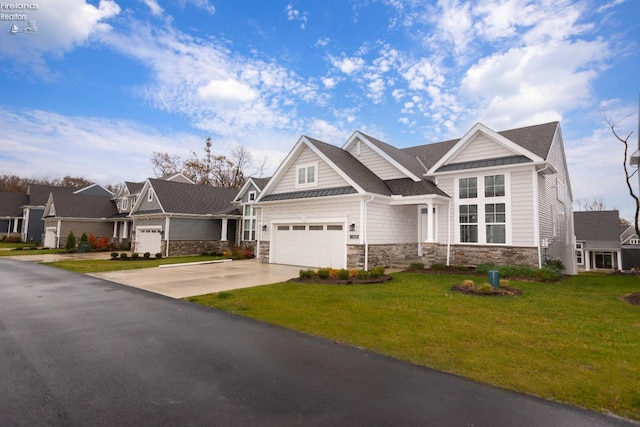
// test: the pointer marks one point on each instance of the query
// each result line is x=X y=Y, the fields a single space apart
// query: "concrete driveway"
x=180 y=281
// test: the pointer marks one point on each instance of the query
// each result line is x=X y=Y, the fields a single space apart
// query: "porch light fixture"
x=352 y=226
x=264 y=227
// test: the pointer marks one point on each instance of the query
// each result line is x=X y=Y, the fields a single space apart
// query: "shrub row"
x=342 y=274
x=125 y=256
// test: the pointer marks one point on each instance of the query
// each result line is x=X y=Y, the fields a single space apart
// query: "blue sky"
x=101 y=85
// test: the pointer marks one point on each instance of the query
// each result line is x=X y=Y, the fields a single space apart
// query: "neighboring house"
x=125 y=199
x=629 y=248
x=501 y=197
x=11 y=213
x=246 y=199
x=176 y=217
x=597 y=240
x=80 y=213
x=32 y=222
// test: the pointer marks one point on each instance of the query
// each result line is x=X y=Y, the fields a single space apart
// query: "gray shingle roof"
x=408 y=187
x=68 y=205
x=405 y=158
x=10 y=204
x=358 y=172
x=499 y=161
x=260 y=182
x=536 y=139
x=306 y=194
x=39 y=194
x=599 y=229
x=178 y=197
x=134 y=187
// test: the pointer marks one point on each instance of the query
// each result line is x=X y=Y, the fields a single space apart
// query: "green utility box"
x=494 y=278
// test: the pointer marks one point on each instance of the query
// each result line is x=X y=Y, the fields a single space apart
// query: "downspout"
x=166 y=230
x=449 y=232
x=536 y=212
x=57 y=233
x=364 y=235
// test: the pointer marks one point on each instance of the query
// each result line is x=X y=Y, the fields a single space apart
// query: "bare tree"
x=625 y=141
x=165 y=164
x=214 y=170
x=592 y=204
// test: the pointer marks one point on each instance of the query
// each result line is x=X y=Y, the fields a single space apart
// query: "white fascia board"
x=334 y=167
x=538 y=166
x=381 y=153
x=145 y=188
x=290 y=159
x=283 y=168
x=48 y=205
x=491 y=134
x=244 y=188
x=417 y=200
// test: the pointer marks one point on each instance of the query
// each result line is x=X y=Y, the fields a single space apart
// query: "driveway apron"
x=79 y=350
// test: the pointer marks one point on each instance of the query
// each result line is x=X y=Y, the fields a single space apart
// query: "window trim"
x=579 y=253
x=306 y=183
x=150 y=195
x=481 y=200
x=251 y=196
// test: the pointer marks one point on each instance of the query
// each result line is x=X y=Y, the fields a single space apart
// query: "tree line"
x=212 y=170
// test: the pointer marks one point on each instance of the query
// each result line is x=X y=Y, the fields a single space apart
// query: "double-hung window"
x=495 y=220
x=307 y=175
x=482 y=212
x=249 y=223
x=469 y=223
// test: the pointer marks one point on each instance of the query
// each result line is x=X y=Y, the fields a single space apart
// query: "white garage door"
x=50 y=237
x=309 y=245
x=148 y=240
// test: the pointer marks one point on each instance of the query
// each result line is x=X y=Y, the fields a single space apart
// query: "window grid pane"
x=468 y=188
x=494 y=186
x=311 y=174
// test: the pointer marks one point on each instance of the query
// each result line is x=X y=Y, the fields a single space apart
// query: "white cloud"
x=201 y=4
x=534 y=83
x=227 y=90
x=296 y=15
x=61 y=26
x=329 y=82
x=327 y=132
x=322 y=42
x=348 y=65
x=154 y=7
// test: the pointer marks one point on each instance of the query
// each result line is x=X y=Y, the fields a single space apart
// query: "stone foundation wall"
x=194 y=247
x=264 y=252
x=474 y=255
x=380 y=254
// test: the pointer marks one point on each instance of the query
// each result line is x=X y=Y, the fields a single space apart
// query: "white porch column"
x=125 y=229
x=430 y=238
x=115 y=229
x=223 y=236
x=15 y=225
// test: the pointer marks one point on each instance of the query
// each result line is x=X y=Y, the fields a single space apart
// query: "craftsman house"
x=176 y=217
x=502 y=197
x=598 y=240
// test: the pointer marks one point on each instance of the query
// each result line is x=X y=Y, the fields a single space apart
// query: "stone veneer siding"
x=194 y=247
x=477 y=254
x=264 y=251
x=380 y=254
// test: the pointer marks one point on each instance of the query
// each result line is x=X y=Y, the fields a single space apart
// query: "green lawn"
x=31 y=252
x=100 y=265
x=575 y=341
x=4 y=245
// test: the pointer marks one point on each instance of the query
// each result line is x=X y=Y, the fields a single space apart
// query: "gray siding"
x=146 y=206
x=195 y=229
x=245 y=196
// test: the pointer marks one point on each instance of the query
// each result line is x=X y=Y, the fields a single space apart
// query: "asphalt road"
x=78 y=350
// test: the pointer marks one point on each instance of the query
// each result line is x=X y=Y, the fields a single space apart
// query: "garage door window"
x=334 y=228
x=316 y=228
x=283 y=227
x=298 y=228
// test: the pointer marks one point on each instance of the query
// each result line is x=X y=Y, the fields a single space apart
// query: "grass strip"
x=101 y=265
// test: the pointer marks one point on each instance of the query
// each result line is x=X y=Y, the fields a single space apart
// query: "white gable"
x=481 y=147
x=327 y=176
x=373 y=160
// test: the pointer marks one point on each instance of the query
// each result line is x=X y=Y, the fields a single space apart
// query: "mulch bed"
x=336 y=281
x=632 y=298
x=495 y=292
